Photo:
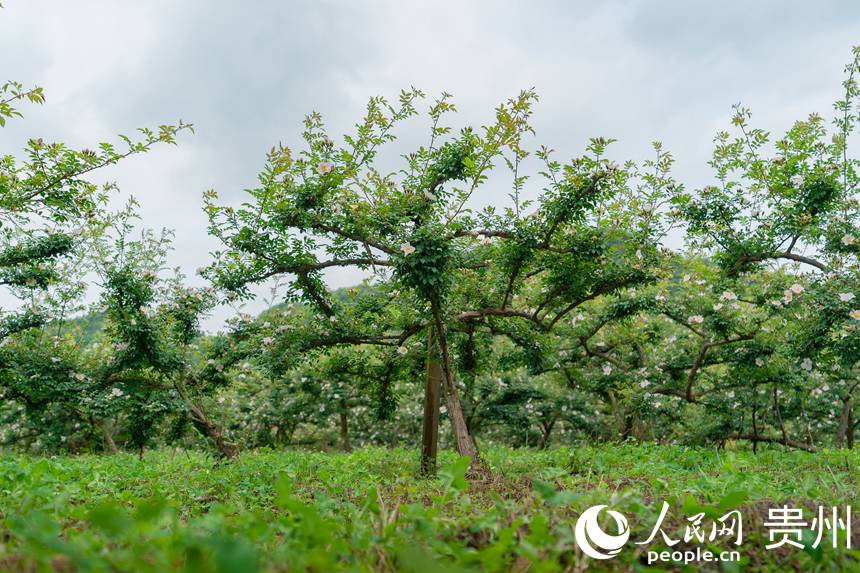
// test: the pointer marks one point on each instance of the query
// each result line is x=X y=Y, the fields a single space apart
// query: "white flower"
x=429 y=196
x=639 y=254
x=855 y=314
x=486 y=241
x=80 y=376
x=407 y=249
x=401 y=350
x=325 y=167
x=696 y=319
x=806 y=364
x=55 y=359
x=607 y=370
x=115 y=392
x=731 y=394
x=776 y=302
x=796 y=288
x=759 y=362
x=685 y=278
x=659 y=298
x=718 y=306
x=848 y=240
x=268 y=340
x=132 y=322
x=267 y=324
x=644 y=384
x=846 y=296
x=728 y=295
x=332 y=318
x=787 y=296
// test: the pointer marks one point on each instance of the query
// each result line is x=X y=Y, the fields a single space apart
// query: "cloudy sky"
x=245 y=73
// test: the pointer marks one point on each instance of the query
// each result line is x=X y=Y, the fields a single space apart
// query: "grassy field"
x=369 y=510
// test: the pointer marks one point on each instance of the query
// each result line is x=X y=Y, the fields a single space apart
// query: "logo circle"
x=595 y=542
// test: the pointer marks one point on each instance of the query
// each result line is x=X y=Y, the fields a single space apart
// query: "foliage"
x=369 y=511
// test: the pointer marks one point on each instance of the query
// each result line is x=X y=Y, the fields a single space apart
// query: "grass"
x=369 y=510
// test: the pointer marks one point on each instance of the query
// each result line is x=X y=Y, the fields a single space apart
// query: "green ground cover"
x=369 y=510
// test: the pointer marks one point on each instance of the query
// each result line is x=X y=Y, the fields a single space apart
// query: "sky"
x=246 y=73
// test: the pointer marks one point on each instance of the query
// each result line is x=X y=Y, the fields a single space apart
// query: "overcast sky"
x=245 y=73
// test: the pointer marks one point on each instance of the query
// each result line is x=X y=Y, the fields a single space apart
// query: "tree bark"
x=432 y=391
x=212 y=431
x=465 y=444
x=546 y=430
x=110 y=445
x=619 y=415
x=842 y=429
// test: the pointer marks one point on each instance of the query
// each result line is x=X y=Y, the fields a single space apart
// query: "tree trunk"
x=432 y=390
x=110 y=445
x=850 y=437
x=465 y=444
x=344 y=428
x=754 y=430
x=546 y=430
x=212 y=431
x=842 y=429
x=619 y=415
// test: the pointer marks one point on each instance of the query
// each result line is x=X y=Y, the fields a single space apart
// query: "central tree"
x=442 y=270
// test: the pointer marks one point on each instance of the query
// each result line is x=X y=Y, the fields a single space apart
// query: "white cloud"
x=246 y=73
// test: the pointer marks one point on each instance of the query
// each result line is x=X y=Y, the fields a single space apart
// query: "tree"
x=443 y=267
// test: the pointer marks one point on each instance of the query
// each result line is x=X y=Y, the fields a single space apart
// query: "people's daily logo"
x=787 y=526
x=595 y=542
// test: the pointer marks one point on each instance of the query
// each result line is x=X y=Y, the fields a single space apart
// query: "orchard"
x=503 y=359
